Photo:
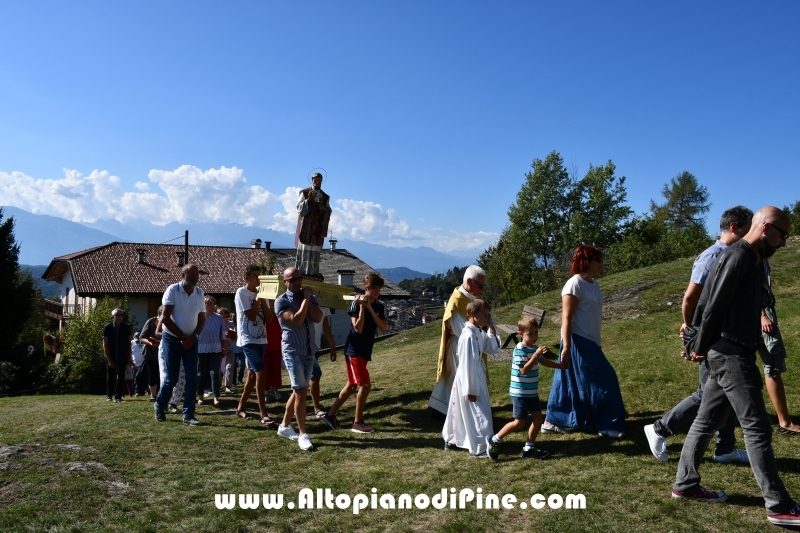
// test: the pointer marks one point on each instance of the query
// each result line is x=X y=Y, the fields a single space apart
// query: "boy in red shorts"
x=366 y=316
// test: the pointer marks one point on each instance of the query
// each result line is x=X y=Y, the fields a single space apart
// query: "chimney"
x=332 y=242
x=140 y=255
x=255 y=243
x=181 y=258
x=267 y=245
x=346 y=277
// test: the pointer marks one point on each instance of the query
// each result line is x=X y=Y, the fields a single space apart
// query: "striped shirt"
x=524 y=385
x=210 y=340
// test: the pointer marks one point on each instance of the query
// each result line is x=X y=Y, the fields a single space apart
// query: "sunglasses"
x=784 y=234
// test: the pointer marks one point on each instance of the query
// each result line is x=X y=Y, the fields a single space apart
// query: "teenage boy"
x=524 y=390
x=367 y=315
x=252 y=313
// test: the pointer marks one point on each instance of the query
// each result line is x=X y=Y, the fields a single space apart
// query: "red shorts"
x=357 y=373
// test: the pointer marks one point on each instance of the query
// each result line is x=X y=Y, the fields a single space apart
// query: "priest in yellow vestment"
x=453 y=321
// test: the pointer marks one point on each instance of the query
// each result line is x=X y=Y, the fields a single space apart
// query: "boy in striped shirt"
x=524 y=390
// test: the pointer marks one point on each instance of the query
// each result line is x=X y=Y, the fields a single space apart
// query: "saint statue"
x=313 y=215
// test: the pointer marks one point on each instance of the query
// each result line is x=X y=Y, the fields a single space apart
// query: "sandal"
x=267 y=421
x=319 y=413
x=244 y=415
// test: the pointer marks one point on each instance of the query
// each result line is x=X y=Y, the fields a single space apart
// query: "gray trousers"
x=679 y=418
x=733 y=390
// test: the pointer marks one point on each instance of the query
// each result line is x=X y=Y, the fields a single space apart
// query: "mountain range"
x=43 y=237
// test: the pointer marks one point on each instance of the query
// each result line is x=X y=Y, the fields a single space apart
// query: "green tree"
x=686 y=203
x=602 y=215
x=541 y=214
x=793 y=212
x=83 y=359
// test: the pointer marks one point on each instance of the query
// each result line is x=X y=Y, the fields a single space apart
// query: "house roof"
x=114 y=268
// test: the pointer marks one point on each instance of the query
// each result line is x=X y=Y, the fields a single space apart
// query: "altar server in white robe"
x=469 y=414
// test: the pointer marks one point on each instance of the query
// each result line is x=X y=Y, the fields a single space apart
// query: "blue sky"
x=204 y=111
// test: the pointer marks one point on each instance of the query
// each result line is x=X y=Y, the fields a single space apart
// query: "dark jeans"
x=140 y=380
x=239 y=362
x=115 y=379
x=153 y=373
x=174 y=354
x=208 y=366
x=680 y=417
x=734 y=389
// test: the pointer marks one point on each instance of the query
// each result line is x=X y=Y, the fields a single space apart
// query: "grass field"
x=78 y=463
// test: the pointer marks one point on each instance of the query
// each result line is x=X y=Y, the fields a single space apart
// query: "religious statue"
x=313 y=215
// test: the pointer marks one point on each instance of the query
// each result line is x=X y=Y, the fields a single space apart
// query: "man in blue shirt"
x=734 y=224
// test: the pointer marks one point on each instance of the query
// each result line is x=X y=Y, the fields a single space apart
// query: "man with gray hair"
x=184 y=316
x=734 y=224
x=453 y=321
x=117 y=337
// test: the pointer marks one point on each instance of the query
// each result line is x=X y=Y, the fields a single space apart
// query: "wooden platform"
x=328 y=294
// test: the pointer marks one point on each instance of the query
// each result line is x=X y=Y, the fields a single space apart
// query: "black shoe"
x=534 y=453
x=160 y=416
x=173 y=408
x=451 y=447
x=492 y=448
x=117 y=400
x=191 y=421
x=108 y=398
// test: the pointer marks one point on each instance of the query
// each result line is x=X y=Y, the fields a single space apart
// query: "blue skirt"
x=586 y=396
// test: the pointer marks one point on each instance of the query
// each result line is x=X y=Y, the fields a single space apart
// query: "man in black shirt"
x=117 y=349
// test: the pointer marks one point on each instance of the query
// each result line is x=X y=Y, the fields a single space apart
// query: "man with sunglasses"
x=728 y=322
x=296 y=310
x=453 y=321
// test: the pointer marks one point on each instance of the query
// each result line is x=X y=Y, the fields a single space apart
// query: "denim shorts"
x=299 y=368
x=775 y=361
x=254 y=353
x=522 y=407
x=316 y=373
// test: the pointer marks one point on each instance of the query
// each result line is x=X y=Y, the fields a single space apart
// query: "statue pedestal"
x=328 y=294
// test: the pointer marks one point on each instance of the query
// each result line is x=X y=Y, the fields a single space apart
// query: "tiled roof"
x=114 y=268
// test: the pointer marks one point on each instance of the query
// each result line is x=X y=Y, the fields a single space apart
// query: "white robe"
x=440 y=397
x=469 y=423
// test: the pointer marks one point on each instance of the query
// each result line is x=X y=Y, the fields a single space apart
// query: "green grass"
x=146 y=476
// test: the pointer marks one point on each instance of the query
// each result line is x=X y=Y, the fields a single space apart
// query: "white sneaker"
x=287 y=432
x=548 y=427
x=736 y=456
x=305 y=442
x=658 y=444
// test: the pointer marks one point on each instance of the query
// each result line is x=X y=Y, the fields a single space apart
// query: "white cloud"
x=190 y=194
x=186 y=194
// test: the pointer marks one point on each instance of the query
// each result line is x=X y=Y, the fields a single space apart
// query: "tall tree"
x=603 y=215
x=686 y=203
x=540 y=216
x=18 y=292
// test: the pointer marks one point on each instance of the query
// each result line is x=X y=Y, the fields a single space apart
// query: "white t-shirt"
x=186 y=307
x=589 y=313
x=318 y=331
x=249 y=331
x=136 y=352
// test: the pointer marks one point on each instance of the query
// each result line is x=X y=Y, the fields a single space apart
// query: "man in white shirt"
x=183 y=319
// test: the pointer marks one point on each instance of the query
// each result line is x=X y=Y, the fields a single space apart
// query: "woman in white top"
x=586 y=394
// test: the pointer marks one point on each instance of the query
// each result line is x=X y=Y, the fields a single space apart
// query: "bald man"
x=728 y=320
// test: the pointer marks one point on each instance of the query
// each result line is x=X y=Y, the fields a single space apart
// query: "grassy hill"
x=78 y=463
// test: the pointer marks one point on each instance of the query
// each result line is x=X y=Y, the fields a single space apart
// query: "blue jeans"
x=174 y=354
x=208 y=370
x=734 y=388
x=238 y=358
x=299 y=368
x=140 y=380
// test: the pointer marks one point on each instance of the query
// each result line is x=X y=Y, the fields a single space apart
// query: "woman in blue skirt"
x=585 y=395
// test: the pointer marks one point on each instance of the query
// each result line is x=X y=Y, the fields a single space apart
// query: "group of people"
x=728 y=317
x=191 y=340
